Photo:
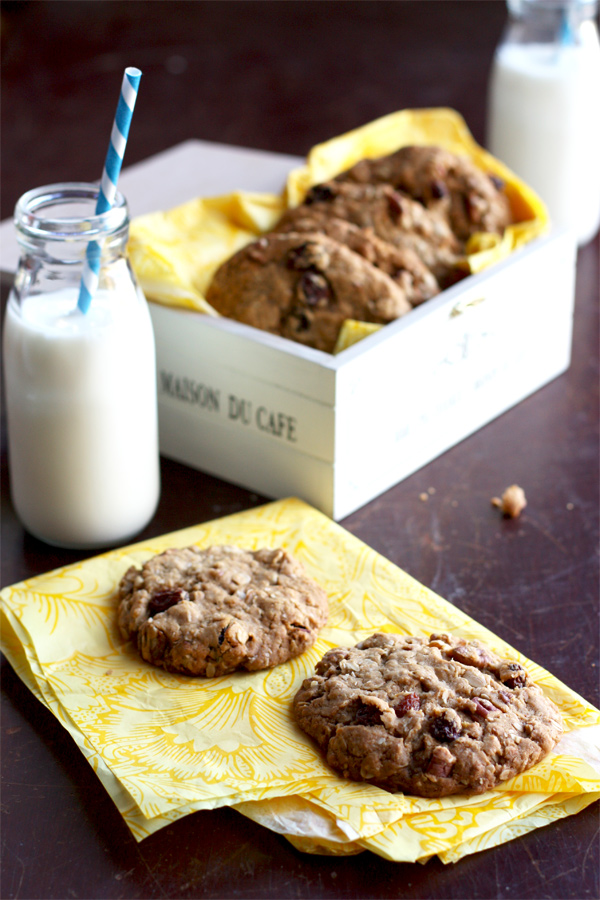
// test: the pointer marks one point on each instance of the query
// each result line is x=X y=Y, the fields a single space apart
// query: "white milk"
x=544 y=124
x=82 y=418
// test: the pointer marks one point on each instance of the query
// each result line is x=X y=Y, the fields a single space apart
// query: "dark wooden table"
x=282 y=76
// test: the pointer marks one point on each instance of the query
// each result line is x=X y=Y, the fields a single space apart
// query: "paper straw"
x=110 y=176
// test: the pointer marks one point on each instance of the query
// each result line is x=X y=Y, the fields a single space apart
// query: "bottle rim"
x=36 y=212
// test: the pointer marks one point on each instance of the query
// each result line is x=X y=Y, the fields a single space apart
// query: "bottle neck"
x=550 y=21
x=57 y=223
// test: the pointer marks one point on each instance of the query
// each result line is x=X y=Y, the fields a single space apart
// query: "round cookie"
x=451 y=185
x=303 y=286
x=392 y=216
x=429 y=718
x=212 y=611
x=401 y=263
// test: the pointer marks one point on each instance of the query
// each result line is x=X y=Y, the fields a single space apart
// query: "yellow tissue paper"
x=165 y=745
x=176 y=253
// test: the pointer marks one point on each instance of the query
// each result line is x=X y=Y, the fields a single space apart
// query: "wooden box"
x=285 y=420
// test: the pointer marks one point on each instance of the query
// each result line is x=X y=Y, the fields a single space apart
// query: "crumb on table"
x=513 y=501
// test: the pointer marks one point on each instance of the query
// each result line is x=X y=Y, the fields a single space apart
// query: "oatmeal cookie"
x=401 y=263
x=212 y=611
x=392 y=216
x=429 y=718
x=469 y=199
x=303 y=287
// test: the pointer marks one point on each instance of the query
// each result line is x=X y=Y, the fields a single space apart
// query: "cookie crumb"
x=424 y=497
x=431 y=490
x=513 y=501
x=570 y=506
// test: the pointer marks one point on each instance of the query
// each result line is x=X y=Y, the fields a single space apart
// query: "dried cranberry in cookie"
x=165 y=600
x=513 y=675
x=446 y=727
x=408 y=702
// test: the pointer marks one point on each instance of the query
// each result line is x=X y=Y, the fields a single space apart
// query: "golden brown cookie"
x=212 y=611
x=401 y=263
x=303 y=286
x=425 y=717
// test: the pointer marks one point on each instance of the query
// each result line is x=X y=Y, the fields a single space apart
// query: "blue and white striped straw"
x=110 y=176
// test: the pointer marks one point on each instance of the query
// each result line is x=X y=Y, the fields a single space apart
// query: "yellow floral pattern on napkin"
x=166 y=745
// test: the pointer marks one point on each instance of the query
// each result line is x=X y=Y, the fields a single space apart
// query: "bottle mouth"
x=67 y=211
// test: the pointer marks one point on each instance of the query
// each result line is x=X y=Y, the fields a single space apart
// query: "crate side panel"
x=246 y=458
x=194 y=377
x=245 y=350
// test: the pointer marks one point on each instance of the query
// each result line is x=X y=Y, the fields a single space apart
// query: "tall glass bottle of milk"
x=80 y=387
x=544 y=107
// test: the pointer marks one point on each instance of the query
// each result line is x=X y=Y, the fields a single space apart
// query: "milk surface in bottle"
x=80 y=388
x=544 y=107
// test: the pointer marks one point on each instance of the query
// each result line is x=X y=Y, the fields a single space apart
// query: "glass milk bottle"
x=544 y=107
x=80 y=388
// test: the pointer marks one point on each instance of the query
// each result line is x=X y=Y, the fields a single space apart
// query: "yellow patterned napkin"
x=165 y=745
x=175 y=253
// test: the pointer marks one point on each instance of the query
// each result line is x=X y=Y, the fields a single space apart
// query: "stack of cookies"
x=371 y=244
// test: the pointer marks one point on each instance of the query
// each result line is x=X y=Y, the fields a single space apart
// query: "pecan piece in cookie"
x=441 y=763
x=483 y=707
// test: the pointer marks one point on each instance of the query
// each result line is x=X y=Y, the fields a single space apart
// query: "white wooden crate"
x=282 y=419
